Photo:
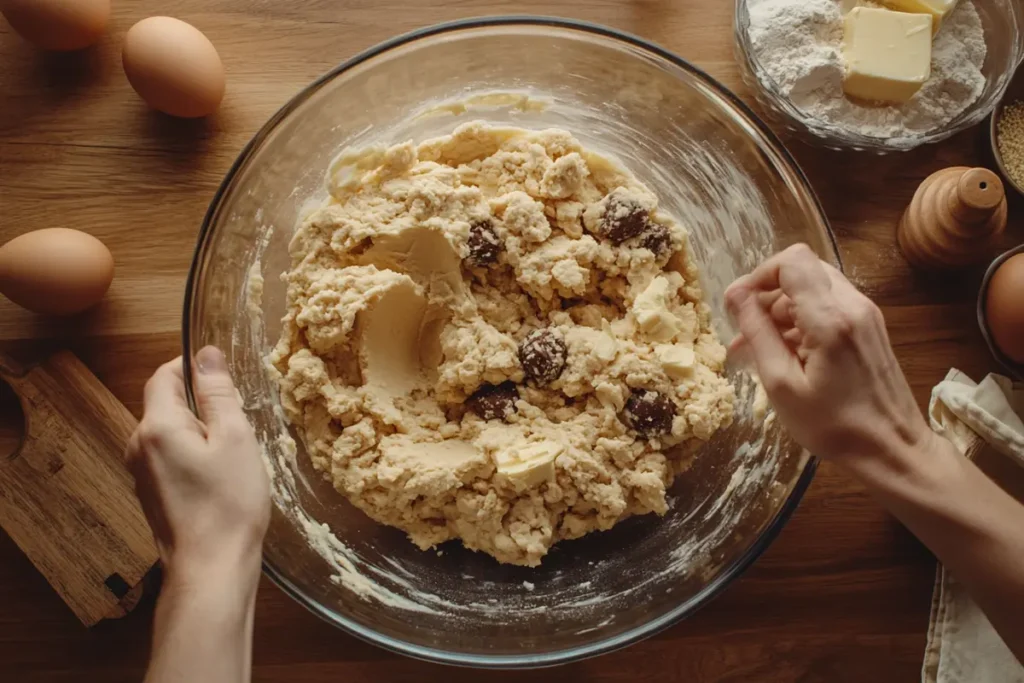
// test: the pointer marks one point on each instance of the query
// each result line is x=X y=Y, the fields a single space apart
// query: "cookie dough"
x=496 y=336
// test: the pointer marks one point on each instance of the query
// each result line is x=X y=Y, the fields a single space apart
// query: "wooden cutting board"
x=66 y=497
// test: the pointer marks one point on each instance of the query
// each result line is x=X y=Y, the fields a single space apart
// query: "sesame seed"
x=1011 y=142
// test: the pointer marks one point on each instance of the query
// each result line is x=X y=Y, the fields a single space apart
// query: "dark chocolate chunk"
x=484 y=244
x=658 y=239
x=649 y=413
x=494 y=401
x=623 y=219
x=542 y=355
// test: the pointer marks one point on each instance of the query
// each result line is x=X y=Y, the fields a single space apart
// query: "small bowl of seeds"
x=1008 y=132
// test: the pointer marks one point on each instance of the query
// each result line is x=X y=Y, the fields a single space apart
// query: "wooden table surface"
x=843 y=594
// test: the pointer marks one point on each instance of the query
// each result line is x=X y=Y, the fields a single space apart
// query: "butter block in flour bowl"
x=888 y=54
x=791 y=55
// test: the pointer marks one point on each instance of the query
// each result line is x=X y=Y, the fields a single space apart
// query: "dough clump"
x=496 y=336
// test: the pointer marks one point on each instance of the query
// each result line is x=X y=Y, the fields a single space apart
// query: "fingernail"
x=211 y=360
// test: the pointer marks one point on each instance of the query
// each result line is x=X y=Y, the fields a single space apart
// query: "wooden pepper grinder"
x=955 y=219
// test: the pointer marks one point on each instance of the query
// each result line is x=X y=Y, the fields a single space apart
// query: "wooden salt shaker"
x=955 y=219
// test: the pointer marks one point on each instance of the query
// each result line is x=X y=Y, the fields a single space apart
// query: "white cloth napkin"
x=962 y=645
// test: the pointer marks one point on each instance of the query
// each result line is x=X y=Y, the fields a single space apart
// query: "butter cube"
x=939 y=9
x=676 y=359
x=610 y=396
x=529 y=465
x=888 y=54
x=653 y=313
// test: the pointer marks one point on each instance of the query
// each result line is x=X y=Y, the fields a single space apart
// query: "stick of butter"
x=888 y=54
x=939 y=9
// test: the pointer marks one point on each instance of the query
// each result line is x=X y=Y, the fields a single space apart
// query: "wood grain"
x=66 y=497
x=953 y=220
x=842 y=595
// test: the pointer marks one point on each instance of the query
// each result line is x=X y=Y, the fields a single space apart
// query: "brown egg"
x=58 y=24
x=173 y=67
x=55 y=271
x=1004 y=308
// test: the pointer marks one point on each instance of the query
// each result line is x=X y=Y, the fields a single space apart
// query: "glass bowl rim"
x=767 y=91
x=527 y=660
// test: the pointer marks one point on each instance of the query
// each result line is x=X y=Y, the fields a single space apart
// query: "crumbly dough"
x=496 y=336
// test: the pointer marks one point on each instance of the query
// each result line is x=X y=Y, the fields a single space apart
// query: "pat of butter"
x=529 y=465
x=676 y=359
x=610 y=396
x=939 y=9
x=652 y=313
x=888 y=54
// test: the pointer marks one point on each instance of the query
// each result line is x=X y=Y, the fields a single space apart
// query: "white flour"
x=798 y=44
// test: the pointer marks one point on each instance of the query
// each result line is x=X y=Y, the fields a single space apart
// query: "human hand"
x=823 y=355
x=201 y=481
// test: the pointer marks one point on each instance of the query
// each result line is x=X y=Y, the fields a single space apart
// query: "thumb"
x=216 y=396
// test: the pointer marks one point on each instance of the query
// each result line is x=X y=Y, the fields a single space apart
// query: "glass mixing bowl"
x=714 y=165
x=1003 y=21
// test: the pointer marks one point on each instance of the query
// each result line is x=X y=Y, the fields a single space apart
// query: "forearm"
x=974 y=527
x=203 y=629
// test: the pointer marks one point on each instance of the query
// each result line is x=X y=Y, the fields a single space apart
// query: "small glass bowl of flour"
x=790 y=52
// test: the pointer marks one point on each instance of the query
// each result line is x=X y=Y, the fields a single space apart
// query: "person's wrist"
x=214 y=609
x=212 y=597
x=911 y=451
x=232 y=572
